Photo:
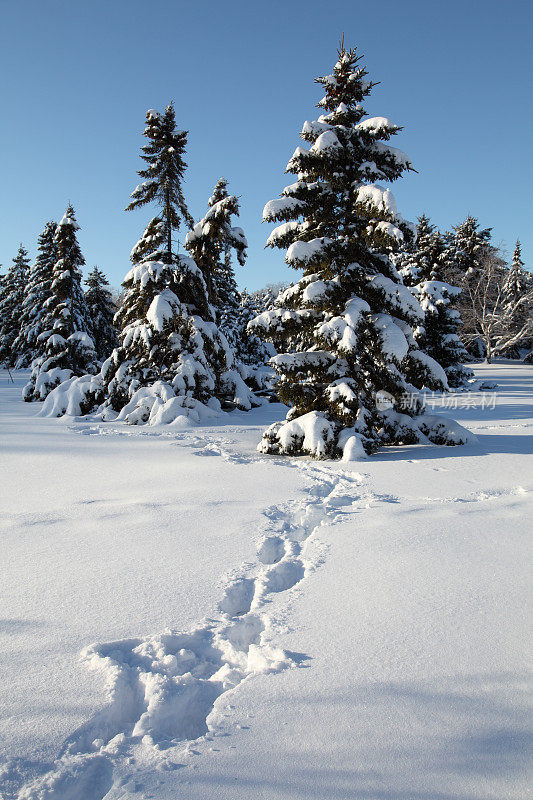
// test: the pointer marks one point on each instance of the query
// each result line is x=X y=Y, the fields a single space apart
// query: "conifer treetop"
x=517 y=254
x=219 y=192
x=164 y=172
x=211 y=241
x=335 y=178
x=21 y=260
x=470 y=237
x=346 y=85
x=96 y=278
x=469 y=245
x=68 y=249
x=424 y=259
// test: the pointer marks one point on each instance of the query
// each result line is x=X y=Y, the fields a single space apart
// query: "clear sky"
x=78 y=76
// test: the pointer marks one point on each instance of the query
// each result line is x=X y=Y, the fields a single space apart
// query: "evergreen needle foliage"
x=172 y=360
x=163 y=174
x=65 y=345
x=101 y=312
x=37 y=295
x=422 y=269
x=11 y=299
x=350 y=357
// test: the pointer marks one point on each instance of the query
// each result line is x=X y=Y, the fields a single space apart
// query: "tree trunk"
x=169 y=227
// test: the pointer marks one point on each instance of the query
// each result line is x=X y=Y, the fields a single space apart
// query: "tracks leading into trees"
x=162 y=690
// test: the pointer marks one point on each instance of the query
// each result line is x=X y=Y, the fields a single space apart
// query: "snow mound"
x=424 y=429
x=312 y=434
x=377 y=197
x=45 y=382
x=74 y=397
x=159 y=405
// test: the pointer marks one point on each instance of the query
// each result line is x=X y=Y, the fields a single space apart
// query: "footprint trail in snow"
x=162 y=690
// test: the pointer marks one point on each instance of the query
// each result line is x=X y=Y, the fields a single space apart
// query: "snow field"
x=163 y=689
x=409 y=640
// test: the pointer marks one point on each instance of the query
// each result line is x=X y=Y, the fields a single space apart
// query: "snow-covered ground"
x=332 y=631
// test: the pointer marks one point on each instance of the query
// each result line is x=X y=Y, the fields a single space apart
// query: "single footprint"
x=238 y=597
x=271 y=550
x=283 y=576
x=244 y=632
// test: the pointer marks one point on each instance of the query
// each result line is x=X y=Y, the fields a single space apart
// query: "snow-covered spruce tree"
x=163 y=175
x=467 y=245
x=517 y=308
x=422 y=270
x=255 y=350
x=101 y=312
x=37 y=293
x=352 y=381
x=172 y=361
x=252 y=353
x=418 y=253
x=211 y=243
x=11 y=300
x=162 y=341
x=65 y=345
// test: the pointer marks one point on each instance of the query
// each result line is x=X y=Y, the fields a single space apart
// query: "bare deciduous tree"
x=487 y=313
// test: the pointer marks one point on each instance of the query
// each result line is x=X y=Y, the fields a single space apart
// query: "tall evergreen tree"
x=165 y=293
x=422 y=270
x=65 y=343
x=211 y=243
x=101 y=312
x=349 y=318
x=419 y=258
x=172 y=360
x=518 y=280
x=163 y=176
x=467 y=246
x=517 y=309
x=11 y=300
x=37 y=295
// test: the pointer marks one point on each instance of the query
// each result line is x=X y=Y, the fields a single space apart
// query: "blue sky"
x=77 y=78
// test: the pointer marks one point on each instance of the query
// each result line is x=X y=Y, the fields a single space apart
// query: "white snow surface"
x=393 y=341
x=379 y=197
x=302 y=252
x=376 y=125
x=265 y=626
x=326 y=141
x=390 y=230
x=274 y=209
x=162 y=308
